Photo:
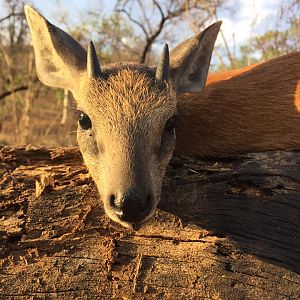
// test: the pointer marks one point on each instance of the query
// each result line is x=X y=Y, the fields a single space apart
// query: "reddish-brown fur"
x=251 y=109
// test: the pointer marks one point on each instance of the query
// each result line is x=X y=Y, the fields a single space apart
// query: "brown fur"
x=127 y=96
x=129 y=109
x=256 y=108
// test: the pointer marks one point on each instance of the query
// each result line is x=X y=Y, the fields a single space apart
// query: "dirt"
x=226 y=228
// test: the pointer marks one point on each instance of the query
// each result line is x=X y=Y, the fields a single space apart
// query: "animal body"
x=255 y=108
x=129 y=114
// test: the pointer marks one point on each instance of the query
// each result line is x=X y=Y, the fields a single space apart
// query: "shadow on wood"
x=252 y=199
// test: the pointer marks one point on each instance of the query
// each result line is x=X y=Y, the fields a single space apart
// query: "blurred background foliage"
x=133 y=30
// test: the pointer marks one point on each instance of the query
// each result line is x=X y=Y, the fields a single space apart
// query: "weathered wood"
x=226 y=228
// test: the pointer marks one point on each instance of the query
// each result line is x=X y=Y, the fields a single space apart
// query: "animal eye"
x=170 y=125
x=84 y=121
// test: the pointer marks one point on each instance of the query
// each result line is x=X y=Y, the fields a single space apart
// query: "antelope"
x=126 y=112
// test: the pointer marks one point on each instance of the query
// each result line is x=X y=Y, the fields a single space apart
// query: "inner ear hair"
x=190 y=60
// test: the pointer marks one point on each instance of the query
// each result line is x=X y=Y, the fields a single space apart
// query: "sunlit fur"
x=126 y=146
x=252 y=109
x=256 y=108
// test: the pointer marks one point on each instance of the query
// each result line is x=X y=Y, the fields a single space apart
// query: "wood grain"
x=226 y=228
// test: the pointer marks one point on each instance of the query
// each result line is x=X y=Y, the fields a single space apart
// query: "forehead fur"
x=128 y=95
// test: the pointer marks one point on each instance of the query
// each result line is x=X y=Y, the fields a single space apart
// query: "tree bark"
x=226 y=228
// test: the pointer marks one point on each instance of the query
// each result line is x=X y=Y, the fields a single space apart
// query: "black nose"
x=131 y=206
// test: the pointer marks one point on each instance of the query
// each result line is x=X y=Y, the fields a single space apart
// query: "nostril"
x=148 y=200
x=131 y=206
x=115 y=202
x=146 y=206
x=112 y=199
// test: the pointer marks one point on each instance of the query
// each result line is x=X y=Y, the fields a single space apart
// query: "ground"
x=226 y=228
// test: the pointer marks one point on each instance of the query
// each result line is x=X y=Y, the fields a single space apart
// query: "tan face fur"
x=133 y=156
x=126 y=112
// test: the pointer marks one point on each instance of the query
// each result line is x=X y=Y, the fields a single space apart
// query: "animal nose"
x=131 y=206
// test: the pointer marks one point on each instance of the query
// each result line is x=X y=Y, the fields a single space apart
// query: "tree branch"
x=12 y=15
x=133 y=20
x=17 y=89
x=157 y=32
x=170 y=10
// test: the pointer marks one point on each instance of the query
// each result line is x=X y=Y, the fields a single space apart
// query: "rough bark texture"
x=227 y=228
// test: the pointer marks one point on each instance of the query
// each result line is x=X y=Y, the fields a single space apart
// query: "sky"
x=238 y=24
x=264 y=11
x=241 y=24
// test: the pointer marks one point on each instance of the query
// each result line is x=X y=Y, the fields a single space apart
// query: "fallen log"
x=226 y=228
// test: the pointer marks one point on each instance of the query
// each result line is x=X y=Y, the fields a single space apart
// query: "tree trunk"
x=226 y=228
x=25 y=119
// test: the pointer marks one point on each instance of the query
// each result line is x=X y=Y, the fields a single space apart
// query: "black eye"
x=170 y=125
x=84 y=121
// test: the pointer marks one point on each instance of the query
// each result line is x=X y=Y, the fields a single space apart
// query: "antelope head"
x=126 y=112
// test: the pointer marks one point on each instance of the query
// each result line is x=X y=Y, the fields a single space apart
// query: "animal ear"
x=60 y=60
x=191 y=59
